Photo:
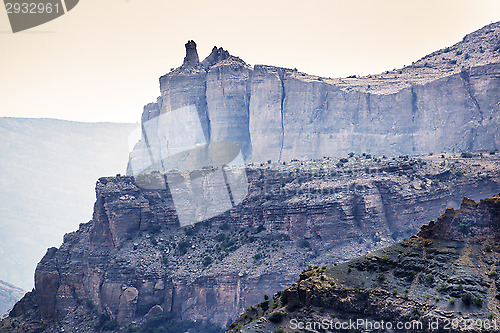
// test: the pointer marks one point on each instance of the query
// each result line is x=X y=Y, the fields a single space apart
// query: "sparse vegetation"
x=465 y=225
x=276 y=317
x=466 y=155
x=304 y=243
x=207 y=261
x=264 y=306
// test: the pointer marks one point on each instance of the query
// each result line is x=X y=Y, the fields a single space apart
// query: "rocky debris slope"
x=444 y=278
x=446 y=101
x=9 y=295
x=132 y=262
x=48 y=168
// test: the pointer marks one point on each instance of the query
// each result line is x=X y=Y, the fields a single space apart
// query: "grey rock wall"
x=446 y=101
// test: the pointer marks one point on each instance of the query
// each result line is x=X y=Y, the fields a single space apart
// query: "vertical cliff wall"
x=446 y=101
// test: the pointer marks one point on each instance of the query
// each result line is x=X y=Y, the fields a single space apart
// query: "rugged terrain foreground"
x=132 y=262
x=443 y=279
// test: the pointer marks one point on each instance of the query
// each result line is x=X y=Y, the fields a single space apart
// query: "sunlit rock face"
x=446 y=101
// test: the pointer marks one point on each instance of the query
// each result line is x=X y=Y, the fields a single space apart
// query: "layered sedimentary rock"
x=445 y=278
x=132 y=261
x=446 y=101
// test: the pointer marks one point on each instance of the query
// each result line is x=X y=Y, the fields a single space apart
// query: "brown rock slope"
x=132 y=262
x=443 y=279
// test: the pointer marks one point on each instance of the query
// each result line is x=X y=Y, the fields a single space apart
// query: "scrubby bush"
x=304 y=243
x=276 y=317
x=467 y=298
x=464 y=225
x=207 y=261
x=183 y=247
x=264 y=305
x=466 y=155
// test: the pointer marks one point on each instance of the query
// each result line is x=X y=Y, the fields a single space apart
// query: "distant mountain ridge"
x=446 y=101
x=9 y=295
x=49 y=168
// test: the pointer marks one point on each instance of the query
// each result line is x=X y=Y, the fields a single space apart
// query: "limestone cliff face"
x=228 y=115
x=446 y=101
x=132 y=260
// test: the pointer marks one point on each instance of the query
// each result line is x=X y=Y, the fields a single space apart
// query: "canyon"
x=335 y=169
x=132 y=261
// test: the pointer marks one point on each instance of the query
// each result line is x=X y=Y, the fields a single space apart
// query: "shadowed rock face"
x=132 y=258
x=448 y=271
x=446 y=101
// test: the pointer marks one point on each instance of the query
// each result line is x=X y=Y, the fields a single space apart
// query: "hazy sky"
x=102 y=60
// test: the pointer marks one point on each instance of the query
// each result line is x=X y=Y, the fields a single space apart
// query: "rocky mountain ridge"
x=446 y=101
x=132 y=262
x=442 y=279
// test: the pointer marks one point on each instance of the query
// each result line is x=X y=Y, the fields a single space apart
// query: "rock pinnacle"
x=191 y=59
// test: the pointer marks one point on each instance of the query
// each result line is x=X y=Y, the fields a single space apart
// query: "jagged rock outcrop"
x=445 y=278
x=446 y=101
x=191 y=59
x=217 y=55
x=132 y=258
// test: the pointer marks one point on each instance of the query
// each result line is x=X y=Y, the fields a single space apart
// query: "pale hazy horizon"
x=102 y=60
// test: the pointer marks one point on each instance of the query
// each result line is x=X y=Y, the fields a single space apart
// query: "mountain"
x=341 y=185
x=48 y=171
x=9 y=295
x=132 y=264
x=446 y=101
x=444 y=278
